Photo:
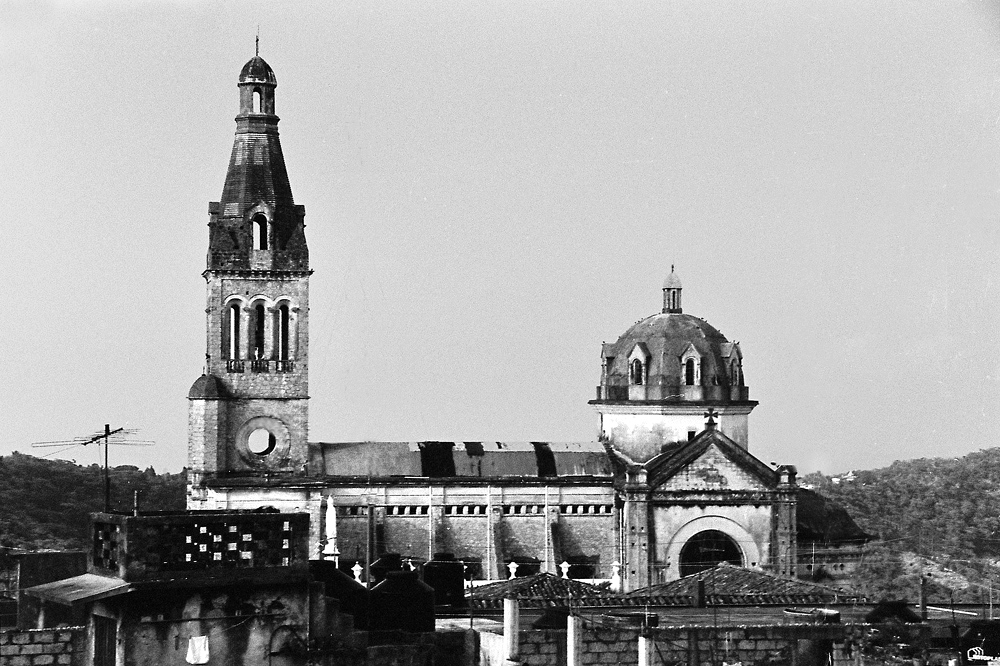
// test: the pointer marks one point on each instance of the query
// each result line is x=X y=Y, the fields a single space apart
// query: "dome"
x=673 y=356
x=672 y=281
x=257 y=71
x=207 y=387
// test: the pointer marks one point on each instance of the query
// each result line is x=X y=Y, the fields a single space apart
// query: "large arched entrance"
x=706 y=549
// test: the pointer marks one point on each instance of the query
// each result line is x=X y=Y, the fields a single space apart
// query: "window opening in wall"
x=637 y=372
x=283 y=328
x=259 y=232
x=735 y=373
x=692 y=434
x=258 y=337
x=261 y=442
x=234 y=332
x=689 y=372
x=256 y=100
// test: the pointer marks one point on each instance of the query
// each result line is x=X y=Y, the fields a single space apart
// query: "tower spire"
x=256 y=44
x=256 y=224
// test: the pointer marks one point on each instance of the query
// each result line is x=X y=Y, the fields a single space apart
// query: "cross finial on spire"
x=256 y=43
x=710 y=415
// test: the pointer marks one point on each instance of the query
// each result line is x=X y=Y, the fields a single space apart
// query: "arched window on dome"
x=257 y=100
x=638 y=374
x=689 y=372
x=734 y=373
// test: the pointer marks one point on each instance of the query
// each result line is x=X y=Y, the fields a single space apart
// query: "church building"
x=667 y=489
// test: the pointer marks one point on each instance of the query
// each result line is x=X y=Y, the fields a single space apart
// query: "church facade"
x=668 y=488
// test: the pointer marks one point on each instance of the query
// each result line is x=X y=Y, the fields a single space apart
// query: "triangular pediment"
x=690 y=351
x=710 y=462
x=639 y=351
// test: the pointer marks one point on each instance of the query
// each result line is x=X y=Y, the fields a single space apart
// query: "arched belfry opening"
x=708 y=549
x=259 y=229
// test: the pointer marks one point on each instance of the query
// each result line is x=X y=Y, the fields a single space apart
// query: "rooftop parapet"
x=191 y=545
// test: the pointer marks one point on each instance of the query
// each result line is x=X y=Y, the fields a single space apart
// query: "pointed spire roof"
x=257 y=195
x=672 y=281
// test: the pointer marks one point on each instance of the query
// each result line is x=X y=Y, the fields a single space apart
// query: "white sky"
x=493 y=189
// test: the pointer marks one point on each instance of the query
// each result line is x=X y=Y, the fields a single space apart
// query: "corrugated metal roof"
x=85 y=587
x=471 y=459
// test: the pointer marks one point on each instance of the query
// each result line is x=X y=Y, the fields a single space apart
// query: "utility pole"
x=106 y=436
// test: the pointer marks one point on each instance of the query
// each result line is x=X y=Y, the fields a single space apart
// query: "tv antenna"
x=117 y=436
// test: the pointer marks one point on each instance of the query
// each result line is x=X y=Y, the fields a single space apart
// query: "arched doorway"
x=706 y=549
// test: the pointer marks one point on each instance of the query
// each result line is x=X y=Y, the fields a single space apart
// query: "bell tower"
x=248 y=414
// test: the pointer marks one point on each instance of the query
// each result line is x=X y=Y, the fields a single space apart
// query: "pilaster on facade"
x=636 y=531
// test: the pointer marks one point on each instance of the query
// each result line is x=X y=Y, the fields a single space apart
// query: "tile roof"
x=727 y=584
x=542 y=590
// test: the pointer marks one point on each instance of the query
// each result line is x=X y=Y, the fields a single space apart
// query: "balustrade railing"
x=260 y=365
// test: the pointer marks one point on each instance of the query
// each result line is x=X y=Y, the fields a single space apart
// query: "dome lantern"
x=672 y=293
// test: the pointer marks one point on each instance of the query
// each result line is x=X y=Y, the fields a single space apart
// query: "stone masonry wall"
x=42 y=647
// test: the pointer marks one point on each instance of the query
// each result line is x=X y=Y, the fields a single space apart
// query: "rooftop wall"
x=195 y=544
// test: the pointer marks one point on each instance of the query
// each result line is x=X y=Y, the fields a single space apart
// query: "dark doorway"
x=105 y=640
x=707 y=549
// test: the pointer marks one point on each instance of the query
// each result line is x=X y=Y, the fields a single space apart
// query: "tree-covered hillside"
x=47 y=503
x=931 y=516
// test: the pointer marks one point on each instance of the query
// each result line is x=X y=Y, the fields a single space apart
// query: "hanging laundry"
x=197 y=650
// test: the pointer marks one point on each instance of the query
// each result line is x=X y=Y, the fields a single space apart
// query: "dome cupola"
x=672 y=356
x=661 y=375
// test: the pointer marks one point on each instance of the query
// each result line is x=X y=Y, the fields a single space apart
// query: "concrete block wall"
x=797 y=645
x=43 y=647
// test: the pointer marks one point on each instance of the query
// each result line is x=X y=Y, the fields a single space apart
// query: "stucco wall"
x=642 y=435
x=242 y=627
x=748 y=525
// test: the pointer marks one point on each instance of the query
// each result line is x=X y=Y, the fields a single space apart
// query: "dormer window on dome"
x=691 y=366
x=638 y=372
x=638 y=363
